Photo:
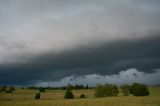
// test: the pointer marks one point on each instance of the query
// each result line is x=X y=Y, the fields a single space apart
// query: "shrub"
x=37 y=96
x=41 y=89
x=11 y=89
x=106 y=90
x=68 y=94
x=4 y=88
x=139 y=89
x=8 y=91
x=82 y=96
x=125 y=89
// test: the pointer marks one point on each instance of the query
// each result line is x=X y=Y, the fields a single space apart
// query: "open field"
x=25 y=97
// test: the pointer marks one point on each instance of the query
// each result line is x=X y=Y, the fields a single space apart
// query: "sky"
x=56 y=42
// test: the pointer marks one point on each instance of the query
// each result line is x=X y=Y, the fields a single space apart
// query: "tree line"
x=101 y=90
x=6 y=89
x=136 y=89
x=69 y=86
x=110 y=90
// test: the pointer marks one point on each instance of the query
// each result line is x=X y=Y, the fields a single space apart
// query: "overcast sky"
x=55 y=42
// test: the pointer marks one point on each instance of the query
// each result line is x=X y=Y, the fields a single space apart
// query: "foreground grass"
x=108 y=101
x=55 y=98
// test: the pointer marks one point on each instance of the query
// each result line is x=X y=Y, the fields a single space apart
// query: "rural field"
x=79 y=52
x=25 y=97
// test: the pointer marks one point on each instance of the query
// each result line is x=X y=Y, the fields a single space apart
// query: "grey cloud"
x=52 y=39
x=44 y=24
x=104 y=59
x=93 y=79
x=135 y=75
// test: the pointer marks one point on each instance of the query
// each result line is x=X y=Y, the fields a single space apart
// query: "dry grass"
x=109 y=101
x=55 y=98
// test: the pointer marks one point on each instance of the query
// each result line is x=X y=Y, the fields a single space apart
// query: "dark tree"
x=37 y=96
x=82 y=96
x=86 y=87
x=41 y=89
x=139 y=89
x=11 y=89
x=8 y=91
x=4 y=88
x=78 y=86
x=68 y=94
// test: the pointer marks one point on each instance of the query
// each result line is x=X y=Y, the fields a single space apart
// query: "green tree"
x=41 y=89
x=68 y=94
x=37 y=96
x=82 y=96
x=106 y=90
x=125 y=89
x=11 y=89
x=115 y=90
x=99 y=91
x=139 y=89
x=86 y=87
x=4 y=88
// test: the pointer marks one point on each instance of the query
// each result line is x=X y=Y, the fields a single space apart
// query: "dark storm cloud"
x=103 y=58
x=49 y=40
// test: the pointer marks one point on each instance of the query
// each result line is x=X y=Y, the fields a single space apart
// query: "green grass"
x=55 y=98
x=154 y=91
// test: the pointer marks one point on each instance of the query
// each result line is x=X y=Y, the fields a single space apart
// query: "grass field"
x=25 y=97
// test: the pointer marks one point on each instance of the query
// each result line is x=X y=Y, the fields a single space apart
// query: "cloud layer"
x=128 y=76
x=104 y=59
x=52 y=39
